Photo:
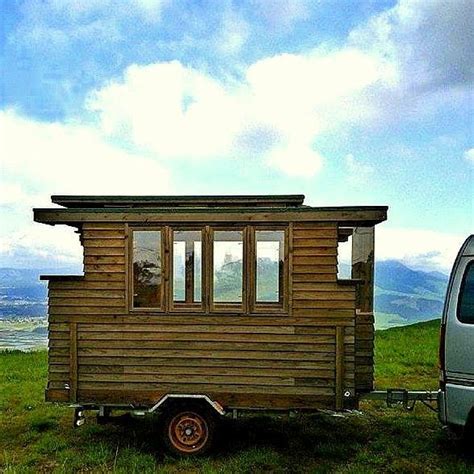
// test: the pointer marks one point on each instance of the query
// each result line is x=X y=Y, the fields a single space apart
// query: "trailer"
x=199 y=306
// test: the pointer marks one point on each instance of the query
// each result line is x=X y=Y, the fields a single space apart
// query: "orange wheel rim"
x=188 y=432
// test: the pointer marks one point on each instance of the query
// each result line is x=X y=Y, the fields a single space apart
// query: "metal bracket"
x=215 y=405
x=395 y=396
x=79 y=418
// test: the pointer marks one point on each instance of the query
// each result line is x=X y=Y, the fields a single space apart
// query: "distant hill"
x=22 y=294
x=405 y=296
x=402 y=295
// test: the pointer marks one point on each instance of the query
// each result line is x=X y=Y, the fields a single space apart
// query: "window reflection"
x=147 y=269
x=187 y=257
x=269 y=273
x=228 y=265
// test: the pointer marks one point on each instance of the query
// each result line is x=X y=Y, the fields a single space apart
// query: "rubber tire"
x=200 y=409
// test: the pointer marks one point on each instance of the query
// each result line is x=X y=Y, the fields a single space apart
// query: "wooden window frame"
x=255 y=306
x=164 y=271
x=236 y=308
x=249 y=305
x=182 y=306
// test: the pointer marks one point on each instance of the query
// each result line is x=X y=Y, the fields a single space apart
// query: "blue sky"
x=348 y=102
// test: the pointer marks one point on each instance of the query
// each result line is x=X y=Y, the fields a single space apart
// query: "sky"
x=350 y=102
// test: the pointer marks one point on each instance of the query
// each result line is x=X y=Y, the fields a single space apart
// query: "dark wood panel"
x=315 y=243
x=320 y=318
x=306 y=277
x=102 y=276
x=197 y=362
x=315 y=269
x=119 y=243
x=200 y=336
x=106 y=251
x=104 y=259
x=314 y=260
x=314 y=251
x=189 y=370
x=77 y=303
x=189 y=380
x=80 y=294
x=264 y=347
x=204 y=388
x=103 y=233
x=87 y=285
x=240 y=399
x=314 y=295
x=200 y=353
x=316 y=233
x=323 y=304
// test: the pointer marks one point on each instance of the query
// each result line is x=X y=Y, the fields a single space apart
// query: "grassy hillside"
x=37 y=437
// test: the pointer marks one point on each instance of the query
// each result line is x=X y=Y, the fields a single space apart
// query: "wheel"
x=188 y=430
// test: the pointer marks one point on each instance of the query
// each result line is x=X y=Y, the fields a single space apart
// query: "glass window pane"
x=147 y=270
x=187 y=245
x=179 y=270
x=466 y=297
x=228 y=264
x=270 y=257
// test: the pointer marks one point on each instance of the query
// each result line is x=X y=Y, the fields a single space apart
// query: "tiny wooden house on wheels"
x=219 y=302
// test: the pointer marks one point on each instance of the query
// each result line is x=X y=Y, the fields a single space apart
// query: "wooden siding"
x=100 y=352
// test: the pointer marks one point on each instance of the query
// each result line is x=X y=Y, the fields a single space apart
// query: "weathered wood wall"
x=103 y=353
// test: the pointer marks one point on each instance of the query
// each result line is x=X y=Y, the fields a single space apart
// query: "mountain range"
x=402 y=295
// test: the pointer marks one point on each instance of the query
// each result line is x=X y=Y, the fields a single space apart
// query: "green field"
x=38 y=437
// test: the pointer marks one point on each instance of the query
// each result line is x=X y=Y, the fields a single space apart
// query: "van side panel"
x=459 y=403
x=458 y=394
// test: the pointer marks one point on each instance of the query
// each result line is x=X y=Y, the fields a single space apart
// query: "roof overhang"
x=351 y=216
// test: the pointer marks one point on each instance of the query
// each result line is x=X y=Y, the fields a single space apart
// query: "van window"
x=466 y=296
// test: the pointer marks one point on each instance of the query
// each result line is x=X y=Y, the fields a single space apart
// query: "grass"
x=38 y=437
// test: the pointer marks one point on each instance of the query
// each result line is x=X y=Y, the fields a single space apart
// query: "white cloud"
x=403 y=63
x=283 y=13
x=359 y=173
x=40 y=246
x=234 y=33
x=57 y=24
x=469 y=155
x=55 y=158
x=419 y=249
x=286 y=100
x=430 y=44
x=40 y=159
x=423 y=249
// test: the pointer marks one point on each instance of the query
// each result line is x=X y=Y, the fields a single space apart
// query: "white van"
x=456 y=394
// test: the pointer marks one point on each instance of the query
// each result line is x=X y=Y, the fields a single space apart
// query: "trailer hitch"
x=404 y=397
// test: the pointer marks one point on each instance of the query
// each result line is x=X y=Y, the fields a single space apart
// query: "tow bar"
x=404 y=397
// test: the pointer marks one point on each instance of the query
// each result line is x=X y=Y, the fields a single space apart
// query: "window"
x=270 y=257
x=208 y=269
x=228 y=255
x=466 y=296
x=187 y=264
x=147 y=269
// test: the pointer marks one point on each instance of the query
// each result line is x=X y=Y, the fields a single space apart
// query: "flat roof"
x=271 y=200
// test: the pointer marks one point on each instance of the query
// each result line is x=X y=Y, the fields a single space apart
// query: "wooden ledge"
x=350 y=281
x=62 y=277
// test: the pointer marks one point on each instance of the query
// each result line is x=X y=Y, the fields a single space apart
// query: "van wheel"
x=188 y=430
